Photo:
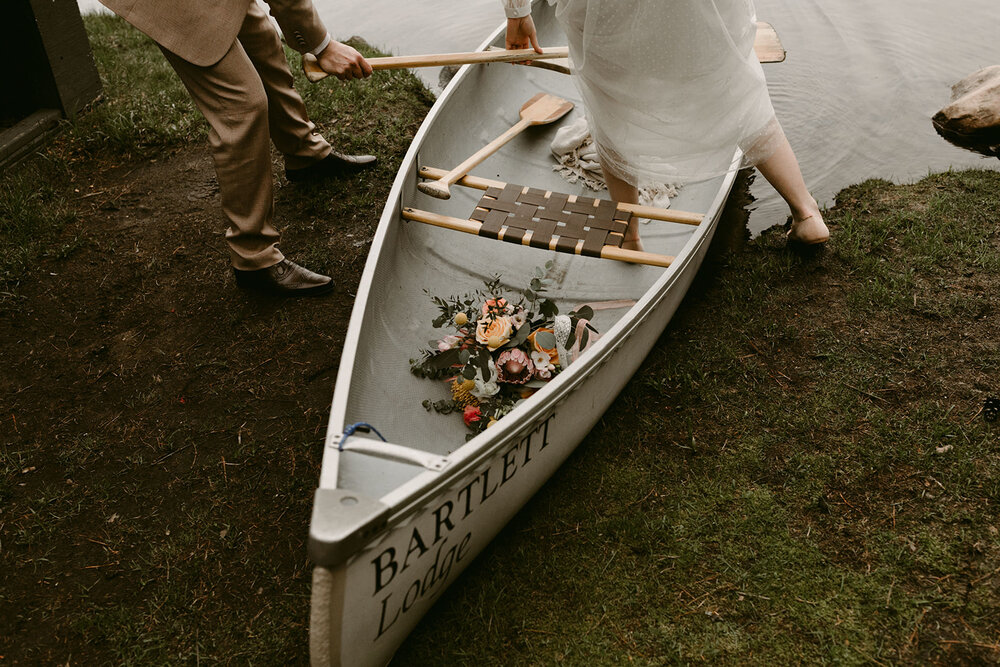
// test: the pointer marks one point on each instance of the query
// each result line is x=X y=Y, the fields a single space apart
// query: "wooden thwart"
x=473 y=227
x=651 y=212
x=548 y=220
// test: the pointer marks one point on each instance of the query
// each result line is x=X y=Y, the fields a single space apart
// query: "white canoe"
x=395 y=523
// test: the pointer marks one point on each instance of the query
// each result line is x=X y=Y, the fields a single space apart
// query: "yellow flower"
x=461 y=392
x=461 y=319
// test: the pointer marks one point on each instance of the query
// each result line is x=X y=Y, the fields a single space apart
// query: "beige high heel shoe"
x=809 y=231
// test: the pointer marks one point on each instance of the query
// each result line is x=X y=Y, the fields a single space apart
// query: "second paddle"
x=539 y=110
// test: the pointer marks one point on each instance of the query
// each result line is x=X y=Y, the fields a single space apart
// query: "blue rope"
x=364 y=427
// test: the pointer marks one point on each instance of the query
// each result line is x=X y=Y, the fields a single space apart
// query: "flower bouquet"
x=500 y=349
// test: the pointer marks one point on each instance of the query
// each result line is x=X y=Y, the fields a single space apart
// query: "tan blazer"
x=202 y=31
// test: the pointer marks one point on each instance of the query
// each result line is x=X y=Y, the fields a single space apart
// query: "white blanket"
x=574 y=150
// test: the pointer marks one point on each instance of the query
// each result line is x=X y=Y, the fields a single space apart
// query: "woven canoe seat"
x=513 y=211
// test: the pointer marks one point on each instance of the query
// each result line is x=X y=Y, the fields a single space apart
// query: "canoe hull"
x=367 y=596
x=363 y=610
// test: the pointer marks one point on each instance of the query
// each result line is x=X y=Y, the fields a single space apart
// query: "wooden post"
x=50 y=73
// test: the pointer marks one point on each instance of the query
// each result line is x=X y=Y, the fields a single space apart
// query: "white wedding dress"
x=671 y=87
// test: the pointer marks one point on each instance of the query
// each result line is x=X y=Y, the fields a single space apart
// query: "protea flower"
x=514 y=366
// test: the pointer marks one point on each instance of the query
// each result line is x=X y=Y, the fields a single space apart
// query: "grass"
x=145 y=109
x=31 y=217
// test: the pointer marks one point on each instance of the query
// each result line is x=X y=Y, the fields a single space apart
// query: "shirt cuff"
x=518 y=12
x=325 y=43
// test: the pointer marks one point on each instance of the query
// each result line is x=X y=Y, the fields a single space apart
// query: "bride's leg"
x=782 y=171
x=625 y=192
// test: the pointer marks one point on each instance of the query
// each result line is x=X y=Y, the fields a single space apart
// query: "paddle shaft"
x=767 y=46
x=314 y=73
x=653 y=213
x=439 y=187
x=472 y=227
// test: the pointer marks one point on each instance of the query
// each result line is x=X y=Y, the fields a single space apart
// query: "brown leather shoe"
x=286 y=278
x=334 y=165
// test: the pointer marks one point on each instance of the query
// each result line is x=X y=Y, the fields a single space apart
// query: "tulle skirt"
x=671 y=87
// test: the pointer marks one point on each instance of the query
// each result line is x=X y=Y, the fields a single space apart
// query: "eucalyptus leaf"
x=545 y=339
x=443 y=360
x=520 y=336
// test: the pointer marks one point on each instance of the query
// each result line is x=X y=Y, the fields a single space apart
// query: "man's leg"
x=232 y=99
x=308 y=156
x=291 y=130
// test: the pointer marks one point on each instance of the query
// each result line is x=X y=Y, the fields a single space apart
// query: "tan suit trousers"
x=248 y=100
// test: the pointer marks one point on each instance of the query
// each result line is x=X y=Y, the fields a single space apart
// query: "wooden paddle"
x=539 y=110
x=314 y=73
x=767 y=46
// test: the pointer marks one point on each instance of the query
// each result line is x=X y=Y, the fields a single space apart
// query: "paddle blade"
x=544 y=108
x=435 y=189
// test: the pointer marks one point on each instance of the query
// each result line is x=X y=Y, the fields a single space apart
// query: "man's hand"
x=343 y=62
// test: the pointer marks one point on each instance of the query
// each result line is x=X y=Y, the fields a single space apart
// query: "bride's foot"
x=809 y=230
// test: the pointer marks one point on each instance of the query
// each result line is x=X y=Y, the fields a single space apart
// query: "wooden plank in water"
x=768 y=44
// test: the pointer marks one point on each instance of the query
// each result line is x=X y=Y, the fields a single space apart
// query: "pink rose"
x=448 y=342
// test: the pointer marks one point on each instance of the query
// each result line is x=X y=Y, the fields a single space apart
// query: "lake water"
x=855 y=94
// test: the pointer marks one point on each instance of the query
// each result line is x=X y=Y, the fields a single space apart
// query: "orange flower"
x=494 y=332
x=552 y=352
